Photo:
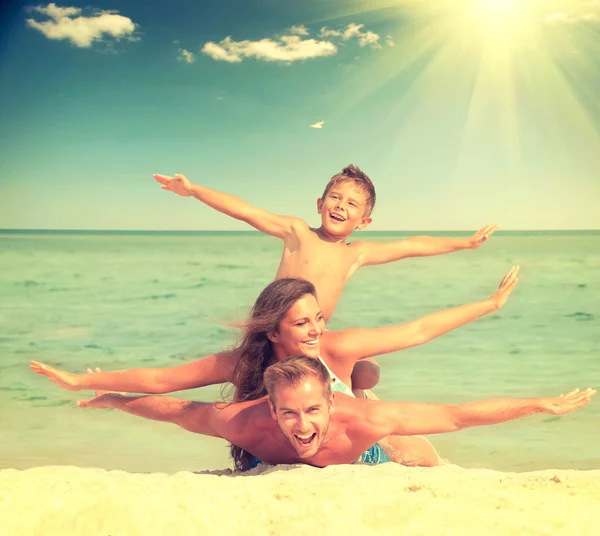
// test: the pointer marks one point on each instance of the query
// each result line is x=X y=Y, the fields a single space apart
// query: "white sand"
x=299 y=500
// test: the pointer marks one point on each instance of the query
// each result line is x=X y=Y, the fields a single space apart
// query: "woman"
x=286 y=320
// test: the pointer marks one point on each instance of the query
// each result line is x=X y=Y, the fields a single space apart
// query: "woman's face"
x=299 y=332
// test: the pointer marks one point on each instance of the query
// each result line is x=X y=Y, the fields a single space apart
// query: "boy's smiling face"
x=343 y=209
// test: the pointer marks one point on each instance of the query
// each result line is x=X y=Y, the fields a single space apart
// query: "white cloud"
x=565 y=18
x=558 y=17
x=588 y=10
x=289 y=48
x=326 y=32
x=55 y=12
x=353 y=30
x=389 y=41
x=299 y=29
x=81 y=31
x=186 y=55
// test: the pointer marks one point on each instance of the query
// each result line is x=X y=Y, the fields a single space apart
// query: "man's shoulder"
x=247 y=419
x=351 y=411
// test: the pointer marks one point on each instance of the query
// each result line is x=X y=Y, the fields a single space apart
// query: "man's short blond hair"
x=292 y=370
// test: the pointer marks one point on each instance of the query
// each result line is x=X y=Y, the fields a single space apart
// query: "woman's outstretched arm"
x=210 y=370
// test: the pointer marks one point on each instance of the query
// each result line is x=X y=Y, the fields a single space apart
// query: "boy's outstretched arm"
x=353 y=344
x=421 y=246
x=414 y=418
x=266 y=222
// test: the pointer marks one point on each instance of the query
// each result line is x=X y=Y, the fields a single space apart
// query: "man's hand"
x=566 y=403
x=178 y=184
x=66 y=380
x=507 y=285
x=481 y=236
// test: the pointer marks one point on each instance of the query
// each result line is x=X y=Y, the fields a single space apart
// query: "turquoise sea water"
x=123 y=300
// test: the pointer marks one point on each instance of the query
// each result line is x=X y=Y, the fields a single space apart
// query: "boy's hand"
x=507 y=285
x=481 y=236
x=177 y=184
x=63 y=379
x=566 y=403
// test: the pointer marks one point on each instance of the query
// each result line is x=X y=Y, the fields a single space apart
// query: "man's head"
x=301 y=401
x=347 y=202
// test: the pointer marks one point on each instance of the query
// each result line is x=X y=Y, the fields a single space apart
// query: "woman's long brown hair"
x=255 y=353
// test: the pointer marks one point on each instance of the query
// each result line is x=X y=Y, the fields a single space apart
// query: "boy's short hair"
x=360 y=179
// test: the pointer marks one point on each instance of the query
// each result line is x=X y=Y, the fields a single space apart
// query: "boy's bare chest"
x=321 y=260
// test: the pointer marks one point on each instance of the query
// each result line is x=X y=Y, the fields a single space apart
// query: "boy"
x=322 y=255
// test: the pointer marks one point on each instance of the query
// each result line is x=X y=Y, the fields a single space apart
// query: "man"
x=301 y=421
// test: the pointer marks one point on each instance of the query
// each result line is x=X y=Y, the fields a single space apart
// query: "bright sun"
x=495 y=54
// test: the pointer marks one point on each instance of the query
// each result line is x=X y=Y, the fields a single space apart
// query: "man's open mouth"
x=305 y=440
x=336 y=217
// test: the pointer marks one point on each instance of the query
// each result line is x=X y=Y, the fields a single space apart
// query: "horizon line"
x=30 y=230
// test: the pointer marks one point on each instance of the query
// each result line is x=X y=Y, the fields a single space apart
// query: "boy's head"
x=347 y=202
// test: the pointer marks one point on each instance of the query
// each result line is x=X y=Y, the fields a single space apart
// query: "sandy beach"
x=299 y=500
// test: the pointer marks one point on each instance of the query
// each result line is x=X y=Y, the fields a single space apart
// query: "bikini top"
x=337 y=384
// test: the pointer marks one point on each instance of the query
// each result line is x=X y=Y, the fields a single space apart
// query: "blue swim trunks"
x=373 y=456
x=255 y=463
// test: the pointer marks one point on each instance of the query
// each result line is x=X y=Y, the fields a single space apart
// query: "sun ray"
x=506 y=60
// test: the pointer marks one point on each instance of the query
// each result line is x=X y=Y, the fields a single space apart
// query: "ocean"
x=119 y=300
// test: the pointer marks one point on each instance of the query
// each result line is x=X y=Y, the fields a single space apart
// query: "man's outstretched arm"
x=412 y=418
x=198 y=417
x=231 y=205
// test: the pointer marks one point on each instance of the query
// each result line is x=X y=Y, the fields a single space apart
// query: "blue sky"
x=463 y=112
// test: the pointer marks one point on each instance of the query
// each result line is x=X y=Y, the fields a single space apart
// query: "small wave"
x=105 y=349
x=581 y=316
x=62 y=289
x=9 y=389
x=582 y=285
x=54 y=404
x=515 y=351
x=194 y=263
x=28 y=283
x=180 y=357
x=231 y=266
x=71 y=332
x=33 y=398
x=160 y=296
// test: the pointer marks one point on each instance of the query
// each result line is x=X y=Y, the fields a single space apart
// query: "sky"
x=462 y=112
